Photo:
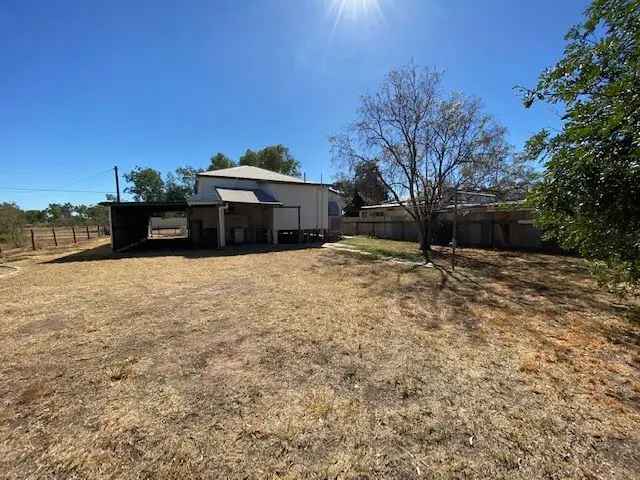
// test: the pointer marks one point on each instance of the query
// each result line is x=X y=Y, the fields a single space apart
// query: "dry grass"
x=315 y=363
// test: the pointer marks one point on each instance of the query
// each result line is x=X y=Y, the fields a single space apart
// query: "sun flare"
x=354 y=10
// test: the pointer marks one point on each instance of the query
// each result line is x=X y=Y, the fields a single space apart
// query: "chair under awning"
x=251 y=196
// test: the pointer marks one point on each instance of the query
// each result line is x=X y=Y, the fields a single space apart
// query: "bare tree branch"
x=423 y=144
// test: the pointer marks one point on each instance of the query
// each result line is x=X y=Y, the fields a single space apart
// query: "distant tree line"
x=148 y=184
x=13 y=219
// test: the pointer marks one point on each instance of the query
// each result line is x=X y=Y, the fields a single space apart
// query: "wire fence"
x=39 y=237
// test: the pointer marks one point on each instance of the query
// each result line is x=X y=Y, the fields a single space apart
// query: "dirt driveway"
x=314 y=363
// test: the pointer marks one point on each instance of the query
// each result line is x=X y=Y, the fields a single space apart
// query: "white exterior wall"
x=387 y=212
x=313 y=200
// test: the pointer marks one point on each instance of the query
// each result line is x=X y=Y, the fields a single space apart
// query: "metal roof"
x=254 y=173
x=255 y=196
x=177 y=204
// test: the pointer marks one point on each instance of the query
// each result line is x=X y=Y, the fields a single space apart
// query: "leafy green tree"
x=361 y=187
x=589 y=197
x=80 y=214
x=180 y=185
x=220 y=161
x=145 y=184
x=34 y=217
x=60 y=213
x=250 y=158
x=97 y=215
x=12 y=221
x=276 y=158
x=353 y=206
x=366 y=181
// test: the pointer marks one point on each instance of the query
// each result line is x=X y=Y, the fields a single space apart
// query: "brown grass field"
x=314 y=363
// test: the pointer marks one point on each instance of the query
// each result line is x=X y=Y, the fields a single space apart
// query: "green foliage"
x=12 y=221
x=220 y=161
x=181 y=184
x=59 y=213
x=146 y=184
x=589 y=197
x=353 y=206
x=276 y=158
x=362 y=187
x=69 y=214
x=34 y=217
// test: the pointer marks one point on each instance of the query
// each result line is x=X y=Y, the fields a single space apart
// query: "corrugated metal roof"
x=234 y=195
x=254 y=173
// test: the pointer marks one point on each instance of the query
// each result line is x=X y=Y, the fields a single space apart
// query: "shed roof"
x=254 y=173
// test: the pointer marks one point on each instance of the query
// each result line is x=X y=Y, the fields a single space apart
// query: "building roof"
x=241 y=195
x=161 y=204
x=488 y=205
x=248 y=172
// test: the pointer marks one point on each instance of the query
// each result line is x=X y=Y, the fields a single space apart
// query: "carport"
x=130 y=222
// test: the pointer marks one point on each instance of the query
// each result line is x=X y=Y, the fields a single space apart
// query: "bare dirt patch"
x=315 y=363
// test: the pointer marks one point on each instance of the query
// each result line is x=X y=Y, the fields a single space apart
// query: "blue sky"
x=87 y=85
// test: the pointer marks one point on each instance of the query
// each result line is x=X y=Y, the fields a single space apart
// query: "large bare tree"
x=426 y=145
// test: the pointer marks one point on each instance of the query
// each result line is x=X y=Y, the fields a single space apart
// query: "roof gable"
x=252 y=173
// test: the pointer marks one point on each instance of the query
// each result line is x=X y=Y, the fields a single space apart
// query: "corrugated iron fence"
x=513 y=229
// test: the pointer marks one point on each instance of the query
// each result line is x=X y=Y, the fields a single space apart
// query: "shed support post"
x=222 y=234
x=274 y=232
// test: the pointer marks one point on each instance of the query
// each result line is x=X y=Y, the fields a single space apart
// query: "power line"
x=82 y=179
x=28 y=189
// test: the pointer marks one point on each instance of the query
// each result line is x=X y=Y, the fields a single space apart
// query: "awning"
x=255 y=196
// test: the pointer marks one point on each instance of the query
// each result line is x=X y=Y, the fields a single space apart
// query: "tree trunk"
x=424 y=228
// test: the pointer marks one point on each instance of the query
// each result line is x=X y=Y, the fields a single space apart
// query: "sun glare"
x=353 y=10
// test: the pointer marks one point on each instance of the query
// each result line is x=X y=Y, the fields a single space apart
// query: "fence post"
x=73 y=229
x=55 y=240
x=33 y=240
x=88 y=236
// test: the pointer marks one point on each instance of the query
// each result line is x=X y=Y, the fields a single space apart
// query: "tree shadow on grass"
x=540 y=295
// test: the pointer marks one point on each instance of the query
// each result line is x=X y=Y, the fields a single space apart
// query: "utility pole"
x=115 y=170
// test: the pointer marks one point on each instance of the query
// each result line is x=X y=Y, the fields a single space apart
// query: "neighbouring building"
x=487 y=224
x=237 y=205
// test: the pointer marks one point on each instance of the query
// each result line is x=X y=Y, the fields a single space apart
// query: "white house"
x=238 y=205
x=258 y=205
